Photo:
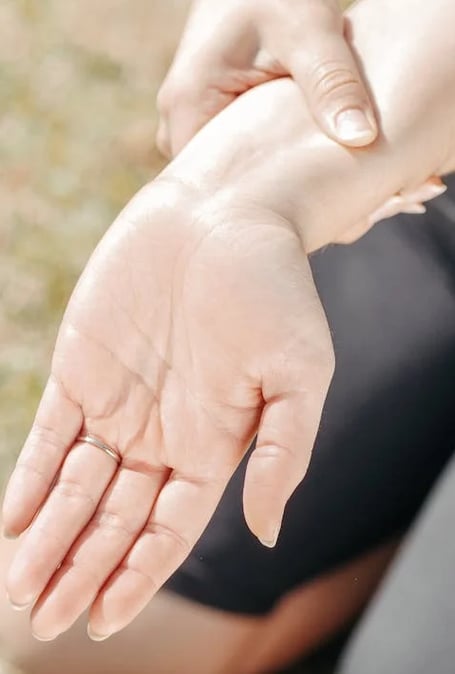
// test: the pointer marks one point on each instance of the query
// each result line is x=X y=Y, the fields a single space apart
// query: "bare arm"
x=266 y=147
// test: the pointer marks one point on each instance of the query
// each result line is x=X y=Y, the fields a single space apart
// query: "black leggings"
x=388 y=426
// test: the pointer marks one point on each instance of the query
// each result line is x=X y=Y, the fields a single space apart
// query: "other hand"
x=231 y=46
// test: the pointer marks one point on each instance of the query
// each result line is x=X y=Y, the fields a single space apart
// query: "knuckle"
x=325 y=359
x=326 y=16
x=171 y=93
x=331 y=79
x=142 y=574
x=29 y=470
x=320 y=360
x=162 y=141
x=73 y=491
x=57 y=537
x=177 y=539
x=329 y=363
x=164 y=98
x=304 y=16
x=45 y=437
x=112 y=522
x=278 y=455
x=85 y=571
x=273 y=450
x=325 y=355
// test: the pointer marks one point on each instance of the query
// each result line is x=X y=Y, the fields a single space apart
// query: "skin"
x=171 y=634
x=230 y=47
x=144 y=342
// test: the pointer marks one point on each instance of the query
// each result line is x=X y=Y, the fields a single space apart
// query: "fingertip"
x=20 y=595
x=42 y=637
x=270 y=542
x=162 y=140
x=12 y=512
x=94 y=636
x=9 y=534
x=263 y=524
x=18 y=508
x=15 y=606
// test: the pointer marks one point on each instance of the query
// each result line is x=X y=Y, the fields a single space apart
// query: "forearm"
x=267 y=148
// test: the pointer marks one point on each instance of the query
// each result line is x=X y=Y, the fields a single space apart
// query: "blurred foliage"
x=78 y=82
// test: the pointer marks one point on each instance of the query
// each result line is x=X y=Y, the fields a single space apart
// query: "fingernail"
x=433 y=190
x=353 y=126
x=18 y=607
x=9 y=536
x=96 y=637
x=38 y=638
x=271 y=542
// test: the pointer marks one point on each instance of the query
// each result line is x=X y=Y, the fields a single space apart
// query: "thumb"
x=323 y=65
x=286 y=435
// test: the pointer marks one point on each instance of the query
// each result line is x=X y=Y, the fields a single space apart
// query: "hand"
x=331 y=193
x=193 y=326
x=197 y=322
x=231 y=46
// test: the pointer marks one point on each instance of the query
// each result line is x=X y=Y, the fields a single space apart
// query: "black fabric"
x=388 y=426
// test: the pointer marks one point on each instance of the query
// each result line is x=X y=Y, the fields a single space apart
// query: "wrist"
x=266 y=149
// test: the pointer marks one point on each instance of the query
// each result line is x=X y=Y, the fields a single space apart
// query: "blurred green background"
x=78 y=81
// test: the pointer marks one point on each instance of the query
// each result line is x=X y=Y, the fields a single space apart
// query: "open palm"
x=194 y=326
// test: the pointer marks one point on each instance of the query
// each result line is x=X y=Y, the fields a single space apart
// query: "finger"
x=56 y=426
x=286 y=435
x=163 y=140
x=408 y=201
x=193 y=108
x=71 y=503
x=101 y=546
x=322 y=63
x=209 y=73
x=355 y=232
x=188 y=99
x=388 y=209
x=430 y=189
x=180 y=515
